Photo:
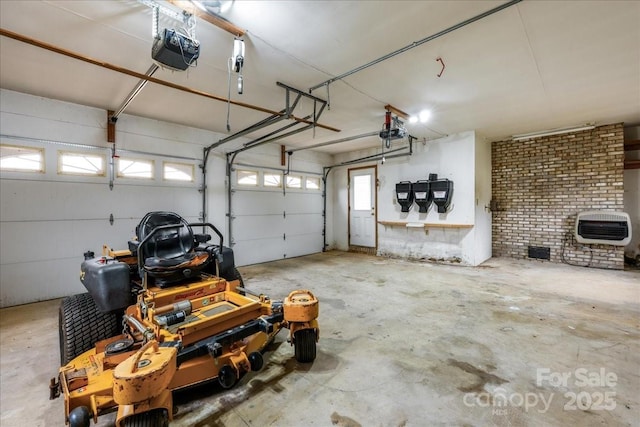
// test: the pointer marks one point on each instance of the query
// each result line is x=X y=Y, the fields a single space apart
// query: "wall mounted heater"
x=603 y=228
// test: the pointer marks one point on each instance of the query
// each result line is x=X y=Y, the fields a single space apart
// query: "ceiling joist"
x=65 y=52
x=396 y=111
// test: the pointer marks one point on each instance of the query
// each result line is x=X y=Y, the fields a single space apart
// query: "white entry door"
x=362 y=207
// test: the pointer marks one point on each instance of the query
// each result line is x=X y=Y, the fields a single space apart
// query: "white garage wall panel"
x=271 y=224
x=42 y=251
x=456 y=157
x=48 y=220
x=258 y=226
x=303 y=223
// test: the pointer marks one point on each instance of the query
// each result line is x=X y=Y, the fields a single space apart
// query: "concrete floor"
x=509 y=343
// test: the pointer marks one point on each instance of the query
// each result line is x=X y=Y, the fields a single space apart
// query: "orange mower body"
x=201 y=328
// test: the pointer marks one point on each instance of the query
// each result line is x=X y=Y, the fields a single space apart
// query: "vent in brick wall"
x=539 y=252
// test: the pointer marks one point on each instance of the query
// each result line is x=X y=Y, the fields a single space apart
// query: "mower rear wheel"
x=155 y=418
x=305 y=345
x=81 y=325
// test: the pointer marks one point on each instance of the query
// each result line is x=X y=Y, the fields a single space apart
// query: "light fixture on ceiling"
x=551 y=132
x=422 y=117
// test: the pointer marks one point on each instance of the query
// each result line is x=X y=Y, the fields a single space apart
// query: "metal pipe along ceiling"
x=416 y=44
x=337 y=141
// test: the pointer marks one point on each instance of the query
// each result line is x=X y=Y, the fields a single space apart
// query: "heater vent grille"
x=605 y=228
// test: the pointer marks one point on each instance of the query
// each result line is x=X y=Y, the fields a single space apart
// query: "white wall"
x=632 y=193
x=456 y=157
x=482 y=228
x=48 y=220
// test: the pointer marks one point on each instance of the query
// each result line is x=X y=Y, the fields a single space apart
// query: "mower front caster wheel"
x=305 y=345
x=227 y=377
x=256 y=361
x=80 y=417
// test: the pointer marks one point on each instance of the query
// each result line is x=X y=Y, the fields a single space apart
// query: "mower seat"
x=169 y=254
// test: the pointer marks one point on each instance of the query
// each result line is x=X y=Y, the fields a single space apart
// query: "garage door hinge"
x=284 y=214
x=284 y=236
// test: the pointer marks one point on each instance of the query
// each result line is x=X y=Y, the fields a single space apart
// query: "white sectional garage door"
x=49 y=219
x=271 y=224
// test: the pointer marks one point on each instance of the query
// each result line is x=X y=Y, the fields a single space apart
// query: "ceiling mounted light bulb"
x=424 y=116
x=413 y=119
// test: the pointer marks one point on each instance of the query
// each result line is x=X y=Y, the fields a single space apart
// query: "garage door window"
x=246 y=177
x=312 y=183
x=81 y=164
x=178 y=172
x=272 y=180
x=21 y=159
x=294 y=181
x=135 y=168
x=362 y=192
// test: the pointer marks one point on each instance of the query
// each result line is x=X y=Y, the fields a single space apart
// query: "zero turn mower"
x=168 y=313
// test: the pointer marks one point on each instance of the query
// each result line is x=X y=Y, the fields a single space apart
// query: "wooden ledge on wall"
x=632 y=145
x=632 y=164
x=425 y=225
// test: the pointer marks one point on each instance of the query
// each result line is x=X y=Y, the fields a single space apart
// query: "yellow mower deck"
x=139 y=378
x=187 y=325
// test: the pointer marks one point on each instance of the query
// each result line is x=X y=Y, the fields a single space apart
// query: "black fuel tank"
x=108 y=282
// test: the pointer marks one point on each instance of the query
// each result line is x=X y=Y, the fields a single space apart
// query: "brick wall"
x=541 y=184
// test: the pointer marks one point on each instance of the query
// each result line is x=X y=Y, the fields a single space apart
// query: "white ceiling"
x=533 y=66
